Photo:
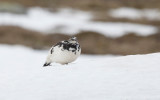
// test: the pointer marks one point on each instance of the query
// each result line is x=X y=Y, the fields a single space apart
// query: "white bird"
x=64 y=52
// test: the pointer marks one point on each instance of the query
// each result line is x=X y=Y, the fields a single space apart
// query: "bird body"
x=64 y=52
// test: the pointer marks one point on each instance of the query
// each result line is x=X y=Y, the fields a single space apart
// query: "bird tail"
x=46 y=64
x=48 y=61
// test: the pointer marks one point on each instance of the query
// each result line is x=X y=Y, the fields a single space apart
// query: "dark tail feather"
x=46 y=64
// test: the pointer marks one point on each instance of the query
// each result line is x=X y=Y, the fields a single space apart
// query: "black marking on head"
x=61 y=43
x=66 y=45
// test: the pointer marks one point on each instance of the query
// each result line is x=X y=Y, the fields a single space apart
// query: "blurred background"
x=118 y=27
x=106 y=30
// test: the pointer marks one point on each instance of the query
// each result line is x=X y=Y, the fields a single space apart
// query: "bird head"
x=73 y=39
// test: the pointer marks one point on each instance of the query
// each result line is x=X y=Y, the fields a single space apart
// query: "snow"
x=43 y=20
x=115 y=30
x=69 y=21
x=134 y=77
x=133 y=13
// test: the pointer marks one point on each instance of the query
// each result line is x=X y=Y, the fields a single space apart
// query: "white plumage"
x=64 y=52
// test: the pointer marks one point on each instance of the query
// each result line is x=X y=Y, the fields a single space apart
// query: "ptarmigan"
x=64 y=52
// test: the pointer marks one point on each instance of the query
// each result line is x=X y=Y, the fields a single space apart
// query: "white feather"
x=62 y=56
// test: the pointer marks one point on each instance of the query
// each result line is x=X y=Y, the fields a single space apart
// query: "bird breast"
x=64 y=56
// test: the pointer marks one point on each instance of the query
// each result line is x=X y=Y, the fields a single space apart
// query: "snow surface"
x=133 y=13
x=89 y=78
x=69 y=21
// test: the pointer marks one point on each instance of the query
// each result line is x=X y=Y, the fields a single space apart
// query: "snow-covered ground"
x=133 y=13
x=22 y=77
x=69 y=21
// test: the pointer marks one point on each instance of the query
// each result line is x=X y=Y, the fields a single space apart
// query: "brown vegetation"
x=91 y=42
x=89 y=4
x=106 y=18
x=16 y=35
x=98 y=7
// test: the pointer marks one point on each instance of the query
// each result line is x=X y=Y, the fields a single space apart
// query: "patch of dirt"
x=91 y=42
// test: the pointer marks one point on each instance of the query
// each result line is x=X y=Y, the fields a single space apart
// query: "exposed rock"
x=12 y=8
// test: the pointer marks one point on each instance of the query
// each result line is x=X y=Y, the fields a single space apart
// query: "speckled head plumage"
x=73 y=39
